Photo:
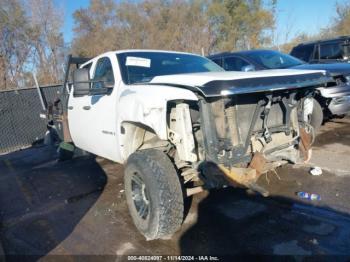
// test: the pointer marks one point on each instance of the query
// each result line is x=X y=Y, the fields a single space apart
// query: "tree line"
x=32 y=41
x=180 y=25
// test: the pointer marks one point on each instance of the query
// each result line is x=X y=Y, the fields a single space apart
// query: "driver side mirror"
x=248 y=68
x=81 y=82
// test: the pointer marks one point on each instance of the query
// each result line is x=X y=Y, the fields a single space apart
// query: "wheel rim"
x=140 y=196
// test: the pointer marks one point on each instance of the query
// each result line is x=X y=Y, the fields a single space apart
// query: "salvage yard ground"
x=78 y=207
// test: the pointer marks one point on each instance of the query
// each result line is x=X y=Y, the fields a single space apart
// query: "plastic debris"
x=314 y=241
x=308 y=196
x=316 y=171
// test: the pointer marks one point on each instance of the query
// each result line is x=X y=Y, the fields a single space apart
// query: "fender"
x=147 y=105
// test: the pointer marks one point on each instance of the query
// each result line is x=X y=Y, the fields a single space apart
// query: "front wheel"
x=153 y=193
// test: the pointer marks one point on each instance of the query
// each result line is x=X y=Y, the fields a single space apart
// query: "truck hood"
x=334 y=69
x=211 y=84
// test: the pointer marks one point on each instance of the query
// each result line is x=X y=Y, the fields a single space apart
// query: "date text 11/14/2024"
x=173 y=258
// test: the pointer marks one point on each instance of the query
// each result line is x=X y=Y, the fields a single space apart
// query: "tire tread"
x=171 y=209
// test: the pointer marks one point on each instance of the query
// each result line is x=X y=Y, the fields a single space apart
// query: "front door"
x=92 y=118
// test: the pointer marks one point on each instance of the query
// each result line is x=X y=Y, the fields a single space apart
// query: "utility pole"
x=4 y=70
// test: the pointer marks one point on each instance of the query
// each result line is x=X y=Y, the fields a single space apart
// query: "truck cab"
x=324 y=51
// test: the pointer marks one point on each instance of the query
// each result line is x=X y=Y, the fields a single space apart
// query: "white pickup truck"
x=180 y=124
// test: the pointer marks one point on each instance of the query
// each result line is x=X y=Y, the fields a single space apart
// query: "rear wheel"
x=153 y=193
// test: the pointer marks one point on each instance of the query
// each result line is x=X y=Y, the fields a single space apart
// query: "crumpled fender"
x=147 y=104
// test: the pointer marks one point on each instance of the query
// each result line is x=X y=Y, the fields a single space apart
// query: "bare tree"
x=31 y=38
x=175 y=25
x=47 y=40
x=30 y=41
x=15 y=45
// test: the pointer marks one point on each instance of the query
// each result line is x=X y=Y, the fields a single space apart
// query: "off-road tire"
x=316 y=118
x=163 y=190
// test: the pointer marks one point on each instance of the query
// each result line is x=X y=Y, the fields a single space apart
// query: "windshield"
x=141 y=67
x=273 y=59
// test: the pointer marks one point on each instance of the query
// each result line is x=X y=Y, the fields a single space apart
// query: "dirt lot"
x=78 y=207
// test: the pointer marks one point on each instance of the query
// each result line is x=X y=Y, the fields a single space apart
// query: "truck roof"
x=150 y=50
x=324 y=40
x=243 y=52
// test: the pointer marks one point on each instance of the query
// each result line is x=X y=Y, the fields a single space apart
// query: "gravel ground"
x=78 y=207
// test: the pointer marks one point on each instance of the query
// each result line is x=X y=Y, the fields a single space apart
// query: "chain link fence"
x=20 y=122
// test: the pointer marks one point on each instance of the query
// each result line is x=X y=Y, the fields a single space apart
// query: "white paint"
x=98 y=130
x=308 y=108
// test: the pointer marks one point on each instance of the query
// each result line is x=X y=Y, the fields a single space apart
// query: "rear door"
x=92 y=118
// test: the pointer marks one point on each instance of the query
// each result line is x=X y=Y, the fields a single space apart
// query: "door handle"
x=70 y=108
x=86 y=107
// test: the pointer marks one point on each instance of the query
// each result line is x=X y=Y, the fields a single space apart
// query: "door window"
x=303 y=52
x=103 y=73
x=234 y=63
x=218 y=61
x=331 y=51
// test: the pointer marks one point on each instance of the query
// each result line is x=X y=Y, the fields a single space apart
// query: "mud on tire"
x=153 y=193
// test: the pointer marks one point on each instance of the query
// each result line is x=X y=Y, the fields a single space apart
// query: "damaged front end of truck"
x=244 y=128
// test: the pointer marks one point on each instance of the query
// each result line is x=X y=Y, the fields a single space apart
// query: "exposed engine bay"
x=242 y=136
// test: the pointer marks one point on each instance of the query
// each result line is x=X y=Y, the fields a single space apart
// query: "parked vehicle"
x=180 y=124
x=331 y=100
x=324 y=51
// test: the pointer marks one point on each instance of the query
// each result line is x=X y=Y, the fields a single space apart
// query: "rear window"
x=303 y=52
